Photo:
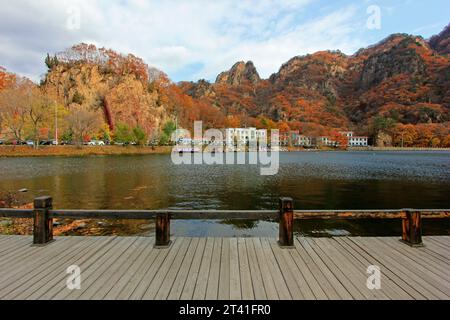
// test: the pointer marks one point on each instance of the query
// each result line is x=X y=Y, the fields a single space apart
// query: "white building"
x=304 y=141
x=326 y=141
x=358 y=141
x=262 y=135
x=243 y=136
x=354 y=141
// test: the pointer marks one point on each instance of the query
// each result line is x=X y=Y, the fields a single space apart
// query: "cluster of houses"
x=245 y=136
x=297 y=140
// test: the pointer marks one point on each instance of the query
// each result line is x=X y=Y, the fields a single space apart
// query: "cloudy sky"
x=193 y=39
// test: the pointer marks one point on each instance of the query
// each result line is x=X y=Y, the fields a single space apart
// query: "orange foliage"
x=232 y=122
x=421 y=135
x=283 y=127
x=341 y=140
x=110 y=60
x=6 y=79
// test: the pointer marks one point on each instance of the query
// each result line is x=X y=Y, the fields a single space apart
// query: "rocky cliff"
x=116 y=86
x=441 y=42
x=240 y=73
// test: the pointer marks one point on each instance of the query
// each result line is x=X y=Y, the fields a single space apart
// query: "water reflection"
x=323 y=180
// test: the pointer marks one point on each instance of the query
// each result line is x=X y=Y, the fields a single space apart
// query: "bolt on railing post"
x=43 y=224
x=412 y=228
x=286 y=232
x=162 y=230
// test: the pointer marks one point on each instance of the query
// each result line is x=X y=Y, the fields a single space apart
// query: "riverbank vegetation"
x=75 y=151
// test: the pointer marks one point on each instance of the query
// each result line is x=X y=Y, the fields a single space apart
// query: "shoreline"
x=73 y=151
x=85 y=151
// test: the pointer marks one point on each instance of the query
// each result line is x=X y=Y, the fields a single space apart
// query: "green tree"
x=51 y=62
x=139 y=136
x=164 y=139
x=106 y=134
x=382 y=124
x=67 y=136
x=123 y=133
x=169 y=128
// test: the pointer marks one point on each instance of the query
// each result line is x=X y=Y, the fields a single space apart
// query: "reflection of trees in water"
x=241 y=224
x=363 y=227
x=10 y=199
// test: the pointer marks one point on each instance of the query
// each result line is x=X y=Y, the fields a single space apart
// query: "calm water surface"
x=316 y=180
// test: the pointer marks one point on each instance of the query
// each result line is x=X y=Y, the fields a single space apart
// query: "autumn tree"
x=6 y=79
x=446 y=142
x=14 y=109
x=284 y=127
x=109 y=60
x=266 y=123
x=340 y=140
x=232 y=121
x=39 y=110
x=405 y=135
x=82 y=122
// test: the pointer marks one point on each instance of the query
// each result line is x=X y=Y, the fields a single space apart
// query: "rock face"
x=383 y=140
x=240 y=73
x=322 y=72
x=441 y=42
x=201 y=89
x=155 y=74
x=123 y=96
x=401 y=59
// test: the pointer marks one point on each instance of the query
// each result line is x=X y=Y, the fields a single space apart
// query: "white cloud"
x=173 y=35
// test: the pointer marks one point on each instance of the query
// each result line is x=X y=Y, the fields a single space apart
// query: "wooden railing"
x=43 y=215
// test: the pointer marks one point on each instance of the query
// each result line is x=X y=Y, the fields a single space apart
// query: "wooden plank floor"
x=224 y=268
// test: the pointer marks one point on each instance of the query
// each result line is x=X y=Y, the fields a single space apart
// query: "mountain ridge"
x=402 y=80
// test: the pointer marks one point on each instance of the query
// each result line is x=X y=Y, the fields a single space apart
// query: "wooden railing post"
x=412 y=228
x=286 y=238
x=162 y=230
x=43 y=225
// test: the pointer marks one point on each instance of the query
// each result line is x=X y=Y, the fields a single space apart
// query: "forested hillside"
x=397 y=89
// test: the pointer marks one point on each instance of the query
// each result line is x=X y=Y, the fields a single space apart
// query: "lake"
x=315 y=180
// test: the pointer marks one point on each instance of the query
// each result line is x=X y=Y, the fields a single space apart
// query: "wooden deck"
x=224 y=268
